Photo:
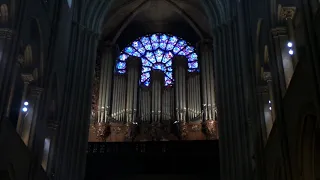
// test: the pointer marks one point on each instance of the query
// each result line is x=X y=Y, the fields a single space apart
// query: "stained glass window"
x=156 y=52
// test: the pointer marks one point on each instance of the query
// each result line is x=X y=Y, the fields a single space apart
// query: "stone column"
x=6 y=67
x=76 y=104
x=268 y=78
x=285 y=17
x=12 y=87
x=157 y=82
x=133 y=69
x=105 y=89
x=27 y=78
x=283 y=60
x=179 y=72
x=35 y=95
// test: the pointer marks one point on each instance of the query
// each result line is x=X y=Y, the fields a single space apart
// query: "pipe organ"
x=187 y=104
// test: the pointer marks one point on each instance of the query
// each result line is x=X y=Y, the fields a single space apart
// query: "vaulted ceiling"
x=156 y=16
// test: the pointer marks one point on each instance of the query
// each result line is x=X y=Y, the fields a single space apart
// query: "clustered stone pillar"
x=232 y=90
x=27 y=78
x=35 y=95
x=208 y=91
x=157 y=79
x=76 y=105
x=118 y=112
x=283 y=60
x=194 y=98
x=6 y=67
x=133 y=69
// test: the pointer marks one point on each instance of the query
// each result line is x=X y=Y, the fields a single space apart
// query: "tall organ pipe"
x=203 y=82
x=105 y=83
x=157 y=78
x=133 y=67
x=180 y=68
x=197 y=94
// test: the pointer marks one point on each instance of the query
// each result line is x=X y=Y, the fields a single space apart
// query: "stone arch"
x=36 y=42
x=94 y=16
x=4 y=13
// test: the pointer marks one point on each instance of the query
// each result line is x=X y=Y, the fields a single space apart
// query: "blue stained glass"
x=187 y=50
x=129 y=50
x=146 y=43
x=156 y=52
x=159 y=55
x=147 y=83
x=169 y=74
x=192 y=70
x=167 y=56
x=137 y=54
x=193 y=65
x=137 y=45
x=155 y=41
x=159 y=66
x=145 y=69
x=169 y=63
x=123 y=57
x=167 y=81
x=121 y=65
x=145 y=62
x=171 y=43
x=192 y=57
x=163 y=41
x=145 y=76
x=150 y=57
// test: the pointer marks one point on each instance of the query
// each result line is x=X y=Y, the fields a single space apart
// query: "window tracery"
x=156 y=52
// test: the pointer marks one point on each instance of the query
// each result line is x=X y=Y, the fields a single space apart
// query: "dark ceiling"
x=148 y=16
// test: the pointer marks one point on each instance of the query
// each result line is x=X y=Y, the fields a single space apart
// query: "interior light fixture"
x=291 y=52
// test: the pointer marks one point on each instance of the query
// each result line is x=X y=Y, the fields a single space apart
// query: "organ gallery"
x=158 y=88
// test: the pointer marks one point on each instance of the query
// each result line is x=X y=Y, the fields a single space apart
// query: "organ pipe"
x=180 y=68
x=157 y=77
x=207 y=81
x=133 y=69
x=105 y=83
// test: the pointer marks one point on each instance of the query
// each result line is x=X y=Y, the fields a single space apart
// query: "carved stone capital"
x=212 y=131
x=267 y=76
x=36 y=91
x=6 y=33
x=285 y=13
x=262 y=89
x=275 y=32
x=27 y=78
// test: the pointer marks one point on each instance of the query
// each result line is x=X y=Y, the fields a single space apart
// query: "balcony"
x=128 y=159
